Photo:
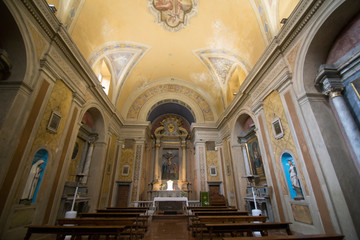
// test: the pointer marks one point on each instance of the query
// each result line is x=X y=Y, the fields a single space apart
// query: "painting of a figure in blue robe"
x=170 y=164
x=291 y=176
x=256 y=162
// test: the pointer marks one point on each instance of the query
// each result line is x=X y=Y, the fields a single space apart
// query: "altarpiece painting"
x=170 y=164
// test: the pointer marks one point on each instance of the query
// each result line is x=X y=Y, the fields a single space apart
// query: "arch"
x=17 y=46
x=331 y=158
x=100 y=124
x=239 y=124
x=171 y=106
x=145 y=100
x=318 y=42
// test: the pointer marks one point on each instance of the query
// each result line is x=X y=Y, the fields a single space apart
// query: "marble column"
x=183 y=163
x=136 y=181
x=157 y=174
x=329 y=83
x=200 y=157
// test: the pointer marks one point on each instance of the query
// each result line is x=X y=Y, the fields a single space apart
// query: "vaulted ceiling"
x=189 y=53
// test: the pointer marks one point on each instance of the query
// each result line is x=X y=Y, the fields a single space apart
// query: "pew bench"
x=209 y=207
x=285 y=237
x=122 y=210
x=109 y=214
x=248 y=228
x=198 y=223
x=141 y=219
x=222 y=213
x=76 y=232
x=132 y=226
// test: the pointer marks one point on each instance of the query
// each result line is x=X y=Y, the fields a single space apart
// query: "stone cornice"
x=301 y=15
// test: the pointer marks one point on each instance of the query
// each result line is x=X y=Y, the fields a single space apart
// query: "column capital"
x=328 y=81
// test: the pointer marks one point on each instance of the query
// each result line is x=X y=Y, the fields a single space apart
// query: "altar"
x=170 y=205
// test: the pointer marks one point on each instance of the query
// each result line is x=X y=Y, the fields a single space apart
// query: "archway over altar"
x=170 y=134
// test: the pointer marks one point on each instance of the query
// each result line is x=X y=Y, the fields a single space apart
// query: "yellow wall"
x=273 y=105
x=212 y=160
x=127 y=158
x=60 y=101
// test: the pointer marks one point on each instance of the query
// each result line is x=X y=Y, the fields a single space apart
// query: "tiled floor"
x=169 y=228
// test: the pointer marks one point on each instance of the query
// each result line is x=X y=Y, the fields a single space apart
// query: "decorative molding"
x=137 y=172
x=302 y=14
x=173 y=15
x=136 y=106
x=221 y=63
x=202 y=168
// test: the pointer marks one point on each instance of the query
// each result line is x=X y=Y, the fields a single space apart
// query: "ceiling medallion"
x=173 y=14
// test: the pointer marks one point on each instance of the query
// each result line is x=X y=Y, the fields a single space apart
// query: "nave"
x=208 y=222
x=251 y=103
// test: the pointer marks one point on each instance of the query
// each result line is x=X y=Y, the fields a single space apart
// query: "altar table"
x=170 y=203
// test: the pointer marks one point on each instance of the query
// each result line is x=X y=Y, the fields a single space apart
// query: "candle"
x=254 y=197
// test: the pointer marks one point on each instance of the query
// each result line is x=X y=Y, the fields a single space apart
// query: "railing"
x=194 y=203
x=148 y=204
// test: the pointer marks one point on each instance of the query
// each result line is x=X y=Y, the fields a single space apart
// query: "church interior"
x=250 y=104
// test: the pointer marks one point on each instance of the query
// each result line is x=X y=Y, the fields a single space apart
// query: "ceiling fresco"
x=204 y=47
x=173 y=14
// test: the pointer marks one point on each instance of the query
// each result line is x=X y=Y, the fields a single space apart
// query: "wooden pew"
x=221 y=213
x=215 y=209
x=75 y=231
x=115 y=208
x=131 y=224
x=198 y=224
x=247 y=228
x=285 y=237
x=209 y=207
x=143 y=219
x=192 y=218
x=143 y=211
x=110 y=214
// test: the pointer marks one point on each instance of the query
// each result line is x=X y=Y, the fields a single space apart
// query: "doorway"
x=123 y=192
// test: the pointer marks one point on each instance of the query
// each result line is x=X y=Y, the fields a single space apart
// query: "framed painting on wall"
x=277 y=128
x=213 y=172
x=170 y=164
x=54 y=122
x=255 y=160
x=125 y=170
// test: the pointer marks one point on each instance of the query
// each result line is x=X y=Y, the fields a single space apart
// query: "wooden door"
x=214 y=190
x=122 y=195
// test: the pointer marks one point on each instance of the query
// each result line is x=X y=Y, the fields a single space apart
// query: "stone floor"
x=168 y=228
